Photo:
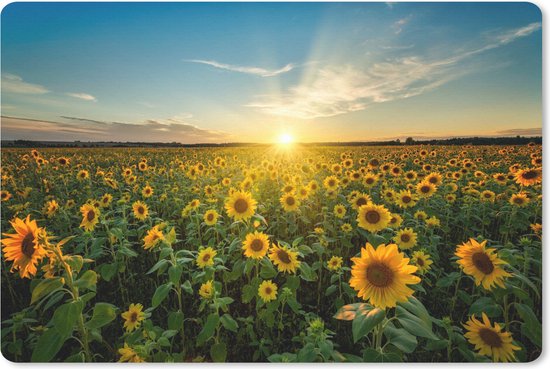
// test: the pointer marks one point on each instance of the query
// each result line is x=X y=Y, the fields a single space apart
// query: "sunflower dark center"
x=369 y=180
x=241 y=205
x=518 y=200
x=361 y=201
x=210 y=217
x=420 y=262
x=290 y=201
x=133 y=317
x=141 y=210
x=372 y=216
x=90 y=216
x=206 y=257
x=268 y=290
x=487 y=195
x=257 y=245
x=331 y=183
x=530 y=174
x=425 y=189
x=406 y=199
x=490 y=337
x=380 y=275
x=405 y=237
x=433 y=180
x=27 y=245
x=283 y=256
x=483 y=263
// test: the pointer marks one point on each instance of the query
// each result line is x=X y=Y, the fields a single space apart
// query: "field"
x=272 y=253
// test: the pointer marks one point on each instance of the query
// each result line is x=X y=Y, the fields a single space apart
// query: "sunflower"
x=90 y=217
x=331 y=183
x=267 y=291
x=106 y=200
x=286 y=260
x=5 y=195
x=51 y=208
x=207 y=290
x=405 y=238
x=23 y=247
x=519 y=199
x=289 y=202
x=240 y=205
x=381 y=275
x=82 y=175
x=420 y=215
x=370 y=179
x=339 y=211
x=147 y=191
x=434 y=178
x=422 y=261
x=487 y=196
x=141 y=210
x=153 y=237
x=481 y=263
x=528 y=177
x=133 y=317
x=395 y=221
x=359 y=200
x=211 y=217
x=346 y=228
x=405 y=199
x=127 y=354
x=335 y=263
x=206 y=257
x=425 y=189
x=255 y=245
x=373 y=217
x=490 y=340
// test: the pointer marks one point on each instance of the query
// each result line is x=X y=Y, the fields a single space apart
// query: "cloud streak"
x=15 y=84
x=262 y=72
x=174 y=129
x=82 y=96
x=336 y=90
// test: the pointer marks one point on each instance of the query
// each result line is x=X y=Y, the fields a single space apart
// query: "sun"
x=285 y=139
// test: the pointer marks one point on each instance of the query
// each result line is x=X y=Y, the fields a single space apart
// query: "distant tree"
x=409 y=141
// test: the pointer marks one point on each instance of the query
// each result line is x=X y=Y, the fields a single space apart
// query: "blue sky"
x=207 y=72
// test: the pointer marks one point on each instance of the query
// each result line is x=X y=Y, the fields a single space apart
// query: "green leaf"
x=103 y=314
x=400 y=338
x=531 y=326
x=87 y=281
x=160 y=294
x=229 y=323
x=66 y=316
x=371 y=355
x=348 y=312
x=48 y=345
x=186 y=286
x=267 y=271
x=175 y=320
x=485 y=305
x=414 y=317
x=174 y=274
x=307 y=273
x=448 y=280
x=249 y=292
x=364 y=322
x=158 y=264
x=524 y=279
x=330 y=290
x=108 y=271
x=209 y=328
x=218 y=352
x=46 y=287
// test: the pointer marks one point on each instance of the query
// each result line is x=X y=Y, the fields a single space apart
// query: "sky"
x=251 y=72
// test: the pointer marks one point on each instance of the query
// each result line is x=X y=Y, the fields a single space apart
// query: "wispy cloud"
x=520 y=132
x=82 y=96
x=175 y=129
x=258 y=71
x=399 y=24
x=15 y=84
x=337 y=90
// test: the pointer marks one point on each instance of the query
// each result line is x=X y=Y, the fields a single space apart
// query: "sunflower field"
x=271 y=254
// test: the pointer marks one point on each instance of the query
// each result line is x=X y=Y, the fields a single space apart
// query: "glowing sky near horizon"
x=251 y=72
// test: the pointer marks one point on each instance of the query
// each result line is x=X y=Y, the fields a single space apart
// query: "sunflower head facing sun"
x=255 y=245
x=24 y=247
x=240 y=205
x=482 y=263
x=206 y=257
x=381 y=275
x=286 y=260
x=90 y=217
x=490 y=340
x=373 y=217
x=133 y=317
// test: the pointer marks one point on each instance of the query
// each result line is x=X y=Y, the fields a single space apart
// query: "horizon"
x=267 y=72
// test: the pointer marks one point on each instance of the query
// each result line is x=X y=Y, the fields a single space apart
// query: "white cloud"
x=243 y=69
x=82 y=96
x=15 y=84
x=335 y=90
x=399 y=24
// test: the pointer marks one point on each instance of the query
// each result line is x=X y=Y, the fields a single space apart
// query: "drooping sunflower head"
x=255 y=245
x=141 y=210
x=482 y=263
x=422 y=261
x=373 y=217
x=24 y=247
x=153 y=238
x=210 y=217
x=133 y=317
x=286 y=260
x=490 y=340
x=405 y=238
x=289 y=202
x=267 y=291
x=240 y=205
x=381 y=275
x=206 y=290
x=205 y=257
x=90 y=217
